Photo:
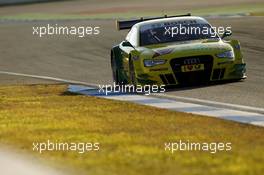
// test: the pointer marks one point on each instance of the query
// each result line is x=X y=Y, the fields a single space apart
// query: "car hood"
x=182 y=49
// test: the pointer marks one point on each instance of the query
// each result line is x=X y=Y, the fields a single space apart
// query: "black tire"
x=132 y=74
x=114 y=69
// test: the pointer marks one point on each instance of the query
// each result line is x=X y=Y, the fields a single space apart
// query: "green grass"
x=247 y=9
x=131 y=136
x=257 y=13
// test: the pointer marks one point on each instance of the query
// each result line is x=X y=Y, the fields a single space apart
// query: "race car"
x=155 y=52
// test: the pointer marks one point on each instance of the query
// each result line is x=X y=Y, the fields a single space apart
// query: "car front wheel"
x=114 y=70
x=132 y=74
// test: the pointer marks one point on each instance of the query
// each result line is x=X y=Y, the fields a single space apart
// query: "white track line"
x=176 y=105
x=213 y=103
x=48 y=78
x=179 y=98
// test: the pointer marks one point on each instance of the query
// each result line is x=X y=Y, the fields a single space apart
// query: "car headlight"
x=150 y=63
x=227 y=54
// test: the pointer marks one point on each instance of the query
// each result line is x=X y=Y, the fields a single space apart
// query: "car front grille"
x=195 y=77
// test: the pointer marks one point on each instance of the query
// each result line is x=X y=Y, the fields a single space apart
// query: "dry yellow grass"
x=131 y=136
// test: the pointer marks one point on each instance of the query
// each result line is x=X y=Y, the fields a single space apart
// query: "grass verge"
x=131 y=136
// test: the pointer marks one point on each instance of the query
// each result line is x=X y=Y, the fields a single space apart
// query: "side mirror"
x=127 y=44
x=226 y=34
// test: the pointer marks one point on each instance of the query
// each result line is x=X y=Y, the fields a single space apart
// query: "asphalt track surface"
x=91 y=7
x=87 y=59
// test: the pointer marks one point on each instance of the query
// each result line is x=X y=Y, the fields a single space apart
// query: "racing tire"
x=115 y=73
x=132 y=74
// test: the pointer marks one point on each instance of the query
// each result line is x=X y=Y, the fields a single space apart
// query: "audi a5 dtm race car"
x=153 y=53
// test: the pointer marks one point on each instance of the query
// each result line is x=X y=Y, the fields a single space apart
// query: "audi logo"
x=192 y=61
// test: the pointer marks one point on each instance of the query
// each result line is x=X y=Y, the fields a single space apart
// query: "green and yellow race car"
x=175 y=50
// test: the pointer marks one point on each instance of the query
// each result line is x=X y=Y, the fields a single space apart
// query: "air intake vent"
x=218 y=74
x=168 y=79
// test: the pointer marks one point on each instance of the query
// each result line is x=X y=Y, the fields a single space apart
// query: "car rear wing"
x=127 y=24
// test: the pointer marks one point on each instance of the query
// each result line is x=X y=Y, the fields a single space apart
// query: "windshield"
x=174 y=32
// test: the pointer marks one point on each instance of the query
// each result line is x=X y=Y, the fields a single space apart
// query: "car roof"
x=185 y=18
